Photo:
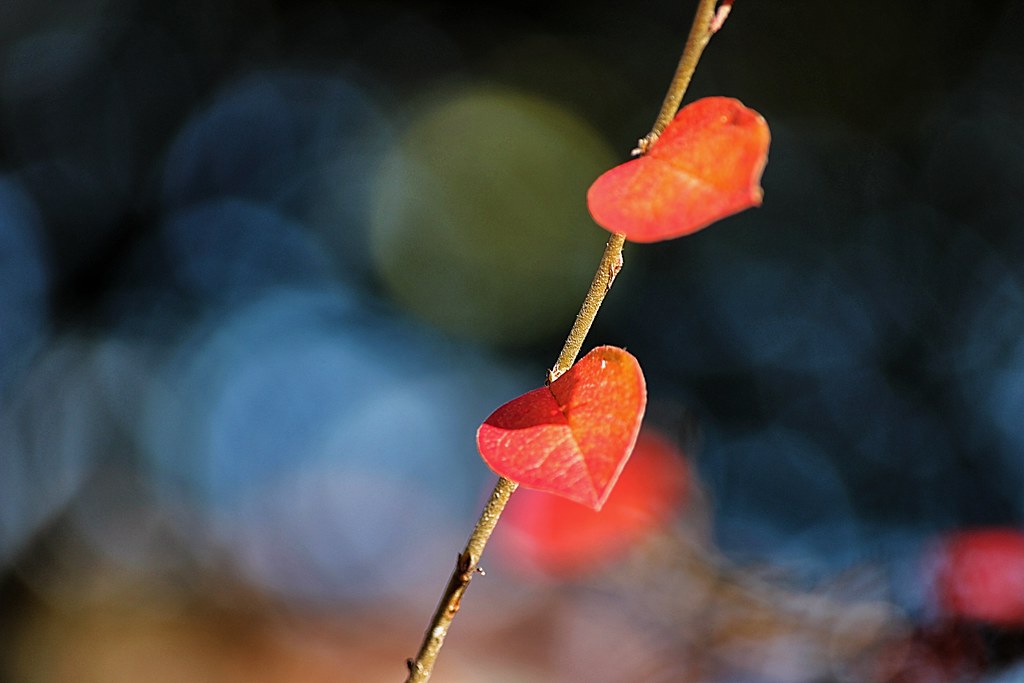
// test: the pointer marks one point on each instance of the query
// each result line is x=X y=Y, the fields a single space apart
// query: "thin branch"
x=607 y=269
x=466 y=565
x=706 y=22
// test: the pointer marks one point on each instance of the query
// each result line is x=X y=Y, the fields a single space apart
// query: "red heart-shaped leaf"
x=552 y=536
x=574 y=436
x=706 y=165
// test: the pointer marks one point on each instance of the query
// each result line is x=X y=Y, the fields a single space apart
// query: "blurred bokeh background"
x=265 y=267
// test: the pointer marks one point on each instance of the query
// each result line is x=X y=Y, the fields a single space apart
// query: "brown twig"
x=466 y=565
x=706 y=22
x=607 y=269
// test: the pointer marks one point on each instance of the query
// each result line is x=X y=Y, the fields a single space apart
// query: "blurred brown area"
x=673 y=610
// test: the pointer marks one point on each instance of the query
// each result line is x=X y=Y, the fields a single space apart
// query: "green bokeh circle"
x=480 y=224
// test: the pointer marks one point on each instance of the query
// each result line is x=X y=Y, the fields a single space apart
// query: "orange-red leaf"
x=573 y=437
x=706 y=165
x=552 y=536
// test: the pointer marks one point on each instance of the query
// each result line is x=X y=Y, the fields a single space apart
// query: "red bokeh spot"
x=548 y=535
x=980 y=575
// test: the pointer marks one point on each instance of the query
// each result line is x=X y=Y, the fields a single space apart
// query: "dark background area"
x=265 y=267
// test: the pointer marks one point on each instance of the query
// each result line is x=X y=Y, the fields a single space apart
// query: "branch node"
x=721 y=14
x=464 y=561
x=613 y=270
x=644 y=144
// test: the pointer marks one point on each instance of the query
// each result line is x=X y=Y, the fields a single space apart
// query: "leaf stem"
x=706 y=22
